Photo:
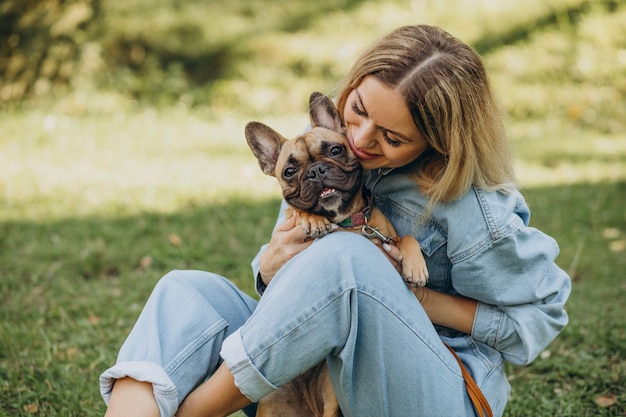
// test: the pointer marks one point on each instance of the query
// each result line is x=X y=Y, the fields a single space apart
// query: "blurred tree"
x=40 y=44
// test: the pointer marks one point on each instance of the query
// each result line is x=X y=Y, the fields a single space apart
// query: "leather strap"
x=478 y=399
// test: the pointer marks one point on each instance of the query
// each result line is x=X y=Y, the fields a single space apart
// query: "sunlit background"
x=113 y=103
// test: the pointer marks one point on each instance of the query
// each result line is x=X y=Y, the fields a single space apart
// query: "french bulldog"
x=321 y=181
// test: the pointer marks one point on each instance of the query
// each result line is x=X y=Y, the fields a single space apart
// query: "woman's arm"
x=521 y=293
x=288 y=240
x=452 y=311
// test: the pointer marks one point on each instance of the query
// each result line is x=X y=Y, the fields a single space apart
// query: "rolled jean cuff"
x=165 y=392
x=248 y=378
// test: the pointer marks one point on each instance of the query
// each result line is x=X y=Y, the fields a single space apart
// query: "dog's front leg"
x=315 y=225
x=414 y=270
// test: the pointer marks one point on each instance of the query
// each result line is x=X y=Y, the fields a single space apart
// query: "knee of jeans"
x=345 y=246
x=170 y=281
x=349 y=250
x=177 y=280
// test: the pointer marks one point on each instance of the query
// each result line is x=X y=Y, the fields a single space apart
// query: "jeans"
x=339 y=301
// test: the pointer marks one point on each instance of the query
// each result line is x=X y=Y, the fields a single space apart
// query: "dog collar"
x=357 y=219
x=360 y=218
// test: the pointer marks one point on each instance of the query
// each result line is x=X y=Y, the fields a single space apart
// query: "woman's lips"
x=361 y=154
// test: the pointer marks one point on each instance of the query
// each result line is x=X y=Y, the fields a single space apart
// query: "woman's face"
x=380 y=128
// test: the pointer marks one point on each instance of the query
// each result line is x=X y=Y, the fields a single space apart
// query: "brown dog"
x=321 y=179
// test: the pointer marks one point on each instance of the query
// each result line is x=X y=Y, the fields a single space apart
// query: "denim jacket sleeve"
x=512 y=272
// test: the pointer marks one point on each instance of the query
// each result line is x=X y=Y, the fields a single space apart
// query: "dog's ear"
x=324 y=113
x=265 y=143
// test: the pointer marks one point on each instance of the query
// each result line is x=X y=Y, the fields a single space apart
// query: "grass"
x=102 y=191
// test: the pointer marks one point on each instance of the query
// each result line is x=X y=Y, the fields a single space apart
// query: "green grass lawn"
x=81 y=250
x=101 y=193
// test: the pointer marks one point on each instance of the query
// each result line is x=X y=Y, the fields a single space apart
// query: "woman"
x=421 y=117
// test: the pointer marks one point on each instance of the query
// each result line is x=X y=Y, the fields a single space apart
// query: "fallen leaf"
x=175 y=240
x=605 y=400
x=31 y=408
x=146 y=261
x=71 y=352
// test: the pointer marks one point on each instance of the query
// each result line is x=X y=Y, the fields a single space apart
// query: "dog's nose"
x=317 y=170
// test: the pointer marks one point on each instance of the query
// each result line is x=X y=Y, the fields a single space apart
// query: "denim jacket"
x=481 y=246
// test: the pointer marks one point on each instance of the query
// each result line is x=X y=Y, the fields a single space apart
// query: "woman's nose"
x=365 y=136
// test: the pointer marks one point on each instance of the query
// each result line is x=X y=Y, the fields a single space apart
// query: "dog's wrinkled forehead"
x=311 y=145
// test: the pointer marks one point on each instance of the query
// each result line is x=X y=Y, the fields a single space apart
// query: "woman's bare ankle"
x=132 y=398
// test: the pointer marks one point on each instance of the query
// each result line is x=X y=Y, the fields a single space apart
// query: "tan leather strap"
x=478 y=399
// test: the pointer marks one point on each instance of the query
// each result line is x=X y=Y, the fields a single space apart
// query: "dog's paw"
x=414 y=270
x=315 y=226
x=415 y=275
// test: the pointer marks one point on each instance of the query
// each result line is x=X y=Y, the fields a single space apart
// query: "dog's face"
x=318 y=172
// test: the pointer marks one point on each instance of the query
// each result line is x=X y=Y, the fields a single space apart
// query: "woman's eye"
x=357 y=110
x=289 y=172
x=391 y=142
x=336 y=150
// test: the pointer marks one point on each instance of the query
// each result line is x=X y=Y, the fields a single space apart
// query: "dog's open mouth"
x=327 y=192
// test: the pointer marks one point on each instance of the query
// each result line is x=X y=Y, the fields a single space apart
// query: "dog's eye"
x=289 y=172
x=336 y=150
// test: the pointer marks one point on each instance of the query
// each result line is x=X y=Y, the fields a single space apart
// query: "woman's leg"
x=342 y=300
x=217 y=396
x=130 y=397
x=175 y=343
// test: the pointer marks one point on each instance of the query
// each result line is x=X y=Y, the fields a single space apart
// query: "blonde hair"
x=445 y=87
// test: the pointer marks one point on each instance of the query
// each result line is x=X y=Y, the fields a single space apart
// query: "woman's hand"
x=288 y=240
x=393 y=254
